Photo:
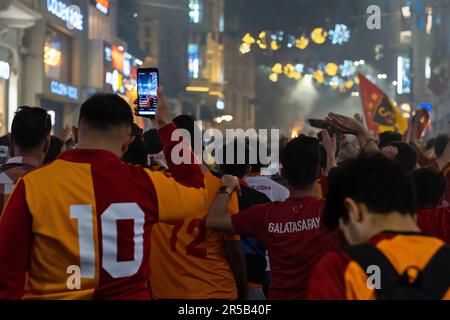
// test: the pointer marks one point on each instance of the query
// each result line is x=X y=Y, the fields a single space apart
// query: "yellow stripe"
x=50 y=192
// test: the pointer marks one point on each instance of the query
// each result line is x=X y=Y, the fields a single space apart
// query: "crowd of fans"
x=104 y=213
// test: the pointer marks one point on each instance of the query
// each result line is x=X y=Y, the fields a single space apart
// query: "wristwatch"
x=226 y=190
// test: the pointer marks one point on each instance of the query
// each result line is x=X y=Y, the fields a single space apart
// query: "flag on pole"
x=381 y=113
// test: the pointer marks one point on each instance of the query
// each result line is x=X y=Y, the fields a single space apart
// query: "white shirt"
x=273 y=190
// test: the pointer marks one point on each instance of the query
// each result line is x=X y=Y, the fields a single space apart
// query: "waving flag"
x=381 y=113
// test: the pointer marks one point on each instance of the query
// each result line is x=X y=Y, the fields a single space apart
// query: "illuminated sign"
x=403 y=75
x=101 y=5
x=108 y=54
x=427 y=106
x=194 y=61
x=52 y=56
x=70 y=14
x=117 y=58
x=127 y=64
x=5 y=70
x=114 y=79
x=120 y=69
x=64 y=90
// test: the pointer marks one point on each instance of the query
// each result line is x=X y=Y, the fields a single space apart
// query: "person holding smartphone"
x=86 y=234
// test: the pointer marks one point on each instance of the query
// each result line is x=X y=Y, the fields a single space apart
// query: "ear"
x=354 y=211
x=74 y=131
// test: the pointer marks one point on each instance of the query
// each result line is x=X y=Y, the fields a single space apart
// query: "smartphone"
x=147 y=83
x=321 y=124
x=316 y=123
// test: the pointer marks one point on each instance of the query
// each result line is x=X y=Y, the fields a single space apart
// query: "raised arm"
x=353 y=126
x=182 y=194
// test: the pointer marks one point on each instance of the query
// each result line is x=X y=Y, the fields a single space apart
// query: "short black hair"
x=187 y=122
x=439 y=144
x=152 y=141
x=388 y=137
x=54 y=149
x=430 y=187
x=106 y=111
x=137 y=152
x=301 y=161
x=31 y=126
x=376 y=181
x=406 y=156
x=235 y=168
x=256 y=167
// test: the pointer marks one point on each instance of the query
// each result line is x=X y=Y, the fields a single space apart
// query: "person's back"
x=338 y=276
x=189 y=261
x=292 y=230
x=432 y=218
x=272 y=189
x=30 y=138
x=254 y=250
x=295 y=240
x=372 y=200
x=80 y=226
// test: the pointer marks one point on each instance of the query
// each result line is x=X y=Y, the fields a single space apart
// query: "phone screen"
x=147 y=91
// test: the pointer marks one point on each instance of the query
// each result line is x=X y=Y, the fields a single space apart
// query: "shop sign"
x=64 y=90
x=70 y=14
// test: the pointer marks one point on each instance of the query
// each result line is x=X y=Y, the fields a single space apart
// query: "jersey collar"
x=87 y=155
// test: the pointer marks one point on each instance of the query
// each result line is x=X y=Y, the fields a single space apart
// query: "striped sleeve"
x=184 y=189
x=15 y=242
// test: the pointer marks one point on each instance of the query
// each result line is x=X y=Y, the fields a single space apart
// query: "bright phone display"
x=147 y=82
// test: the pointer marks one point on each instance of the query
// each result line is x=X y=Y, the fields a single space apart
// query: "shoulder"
x=328 y=278
x=250 y=197
x=336 y=259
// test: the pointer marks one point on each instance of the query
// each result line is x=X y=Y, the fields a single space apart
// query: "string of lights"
x=338 y=35
x=341 y=77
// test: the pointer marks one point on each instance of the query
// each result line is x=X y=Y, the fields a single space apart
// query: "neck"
x=309 y=191
x=394 y=221
x=29 y=153
x=100 y=145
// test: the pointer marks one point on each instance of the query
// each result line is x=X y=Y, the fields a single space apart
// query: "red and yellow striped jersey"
x=87 y=216
x=337 y=277
x=188 y=261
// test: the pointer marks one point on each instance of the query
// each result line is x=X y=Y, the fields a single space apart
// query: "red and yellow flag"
x=381 y=113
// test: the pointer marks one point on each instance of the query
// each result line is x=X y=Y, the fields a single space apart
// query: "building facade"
x=15 y=18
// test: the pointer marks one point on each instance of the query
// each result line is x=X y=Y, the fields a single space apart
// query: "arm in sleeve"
x=233 y=208
x=251 y=222
x=15 y=242
x=327 y=279
x=175 y=201
x=182 y=194
x=187 y=174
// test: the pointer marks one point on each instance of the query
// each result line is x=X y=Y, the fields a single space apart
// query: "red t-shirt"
x=295 y=239
x=435 y=222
